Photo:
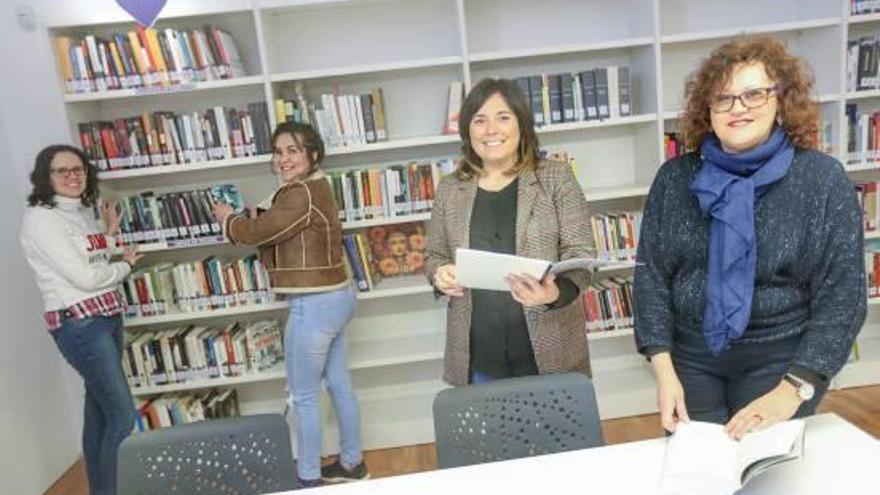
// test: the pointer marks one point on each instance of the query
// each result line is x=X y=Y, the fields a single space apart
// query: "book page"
x=763 y=449
x=486 y=270
x=700 y=460
x=589 y=264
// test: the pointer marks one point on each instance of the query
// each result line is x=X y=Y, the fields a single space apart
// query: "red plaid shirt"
x=107 y=304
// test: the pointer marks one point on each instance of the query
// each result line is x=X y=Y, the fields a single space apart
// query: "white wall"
x=40 y=395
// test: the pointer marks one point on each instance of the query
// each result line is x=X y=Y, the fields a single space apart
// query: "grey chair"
x=249 y=455
x=516 y=417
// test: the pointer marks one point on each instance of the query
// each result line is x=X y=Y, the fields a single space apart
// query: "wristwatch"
x=805 y=389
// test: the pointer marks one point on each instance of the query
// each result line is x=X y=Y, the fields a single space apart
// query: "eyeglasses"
x=67 y=172
x=752 y=98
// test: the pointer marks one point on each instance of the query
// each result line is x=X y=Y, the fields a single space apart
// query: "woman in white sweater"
x=69 y=252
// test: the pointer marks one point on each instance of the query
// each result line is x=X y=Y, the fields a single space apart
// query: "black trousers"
x=716 y=388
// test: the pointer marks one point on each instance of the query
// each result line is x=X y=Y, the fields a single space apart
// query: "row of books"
x=869 y=198
x=385 y=191
x=200 y=353
x=166 y=138
x=863 y=63
x=863 y=135
x=146 y=57
x=201 y=285
x=608 y=305
x=616 y=235
x=176 y=409
x=341 y=119
x=384 y=251
x=872 y=267
x=863 y=6
x=174 y=216
x=597 y=94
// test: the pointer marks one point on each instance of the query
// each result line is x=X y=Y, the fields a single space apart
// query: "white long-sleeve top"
x=69 y=253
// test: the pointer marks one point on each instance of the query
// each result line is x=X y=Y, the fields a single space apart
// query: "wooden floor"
x=860 y=406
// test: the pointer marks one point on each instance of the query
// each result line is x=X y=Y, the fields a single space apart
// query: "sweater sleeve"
x=48 y=240
x=652 y=296
x=838 y=295
x=288 y=215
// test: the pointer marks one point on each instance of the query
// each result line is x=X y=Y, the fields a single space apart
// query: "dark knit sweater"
x=810 y=277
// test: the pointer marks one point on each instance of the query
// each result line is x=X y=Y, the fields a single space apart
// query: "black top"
x=500 y=345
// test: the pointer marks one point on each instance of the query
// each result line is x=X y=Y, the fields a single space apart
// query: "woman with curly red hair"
x=752 y=288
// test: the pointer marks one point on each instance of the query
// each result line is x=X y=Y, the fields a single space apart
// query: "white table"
x=839 y=459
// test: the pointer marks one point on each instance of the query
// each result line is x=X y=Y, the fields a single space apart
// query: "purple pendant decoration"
x=143 y=11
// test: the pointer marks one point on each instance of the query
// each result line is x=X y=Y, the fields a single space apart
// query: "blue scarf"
x=727 y=188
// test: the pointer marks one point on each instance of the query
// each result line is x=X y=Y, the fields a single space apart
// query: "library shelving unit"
x=413 y=49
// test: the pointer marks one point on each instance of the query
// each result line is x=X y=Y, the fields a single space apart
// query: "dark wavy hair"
x=797 y=113
x=470 y=163
x=306 y=136
x=42 y=193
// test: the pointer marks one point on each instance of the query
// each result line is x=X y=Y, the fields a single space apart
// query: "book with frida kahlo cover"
x=397 y=249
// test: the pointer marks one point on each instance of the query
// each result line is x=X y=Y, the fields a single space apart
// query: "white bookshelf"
x=413 y=49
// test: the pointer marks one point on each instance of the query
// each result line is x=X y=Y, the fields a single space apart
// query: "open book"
x=702 y=460
x=486 y=270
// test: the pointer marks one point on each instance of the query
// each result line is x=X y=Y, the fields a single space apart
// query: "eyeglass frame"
x=63 y=173
x=768 y=90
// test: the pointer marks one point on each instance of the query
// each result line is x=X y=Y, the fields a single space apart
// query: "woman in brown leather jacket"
x=299 y=237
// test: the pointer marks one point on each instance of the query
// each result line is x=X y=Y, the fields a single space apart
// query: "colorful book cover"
x=398 y=249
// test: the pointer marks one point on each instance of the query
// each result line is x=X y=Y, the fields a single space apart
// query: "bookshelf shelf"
x=164 y=90
x=863 y=94
x=360 y=224
x=863 y=166
x=613 y=193
x=396 y=144
x=862 y=18
x=198 y=242
x=398 y=286
x=759 y=29
x=277 y=373
x=366 y=69
x=872 y=234
x=184 y=167
x=593 y=124
x=561 y=49
x=609 y=334
x=203 y=315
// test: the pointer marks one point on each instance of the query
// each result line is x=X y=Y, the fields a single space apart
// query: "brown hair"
x=306 y=136
x=43 y=194
x=796 y=112
x=470 y=163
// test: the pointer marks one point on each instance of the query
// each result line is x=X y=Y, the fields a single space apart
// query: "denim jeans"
x=715 y=388
x=93 y=346
x=315 y=348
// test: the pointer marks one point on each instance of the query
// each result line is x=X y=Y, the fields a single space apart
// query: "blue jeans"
x=715 y=388
x=93 y=346
x=315 y=348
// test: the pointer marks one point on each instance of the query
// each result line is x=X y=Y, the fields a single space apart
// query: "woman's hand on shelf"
x=111 y=217
x=221 y=211
x=131 y=255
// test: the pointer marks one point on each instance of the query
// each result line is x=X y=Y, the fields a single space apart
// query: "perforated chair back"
x=516 y=417
x=249 y=455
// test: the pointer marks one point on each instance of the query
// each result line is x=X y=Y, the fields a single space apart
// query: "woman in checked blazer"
x=504 y=198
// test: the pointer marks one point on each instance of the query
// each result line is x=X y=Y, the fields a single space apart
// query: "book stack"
x=341 y=119
x=596 y=94
x=166 y=138
x=673 y=145
x=384 y=191
x=609 y=305
x=866 y=192
x=872 y=267
x=176 y=409
x=197 y=286
x=177 y=218
x=146 y=58
x=384 y=251
x=199 y=353
x=616 y=235
x=863 y=135
x=864 y=6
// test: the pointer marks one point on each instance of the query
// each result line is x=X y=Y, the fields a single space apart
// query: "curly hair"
x=797 y=113
x=42 y=193
x=470 y=163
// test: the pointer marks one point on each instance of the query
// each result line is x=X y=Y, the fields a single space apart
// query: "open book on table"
x=486 y=270
x=702 y=460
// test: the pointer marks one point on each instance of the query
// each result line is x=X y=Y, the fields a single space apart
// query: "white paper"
x=486 y=270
